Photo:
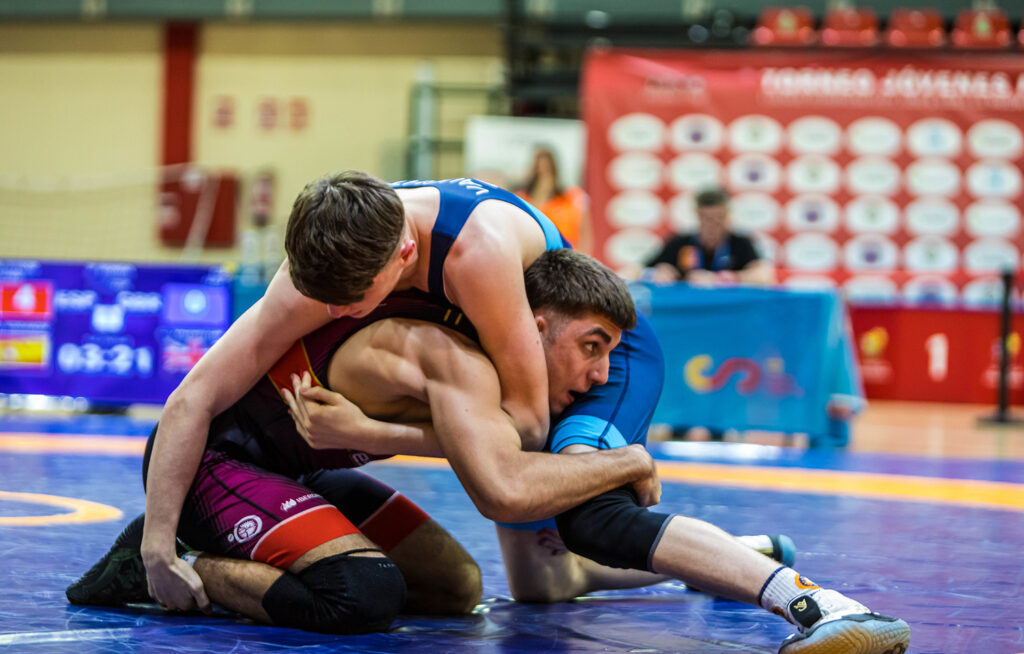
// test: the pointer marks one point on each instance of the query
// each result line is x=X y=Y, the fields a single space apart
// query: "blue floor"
x=953 y=572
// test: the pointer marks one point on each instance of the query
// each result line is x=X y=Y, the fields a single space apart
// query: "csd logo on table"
x=768 y=375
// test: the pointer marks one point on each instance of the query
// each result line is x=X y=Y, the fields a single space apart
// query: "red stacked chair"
x=981 y=30
x=850 y=28
x=785 y=26
x=915 y=28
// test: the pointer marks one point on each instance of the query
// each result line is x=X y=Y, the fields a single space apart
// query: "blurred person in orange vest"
x=566 y=206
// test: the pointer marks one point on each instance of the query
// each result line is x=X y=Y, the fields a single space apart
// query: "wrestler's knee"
x=612 y=530
x=341 y=594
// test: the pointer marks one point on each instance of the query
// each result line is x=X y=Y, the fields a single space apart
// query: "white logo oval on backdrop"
x=934 y=137
x=995 y=138
x=872 y=176
x=698 y=132
x=874 y=135
x=990 y=255
x=630 y=246
x=930 y=289
x=984 y=292
x=812 y=213
x=637 y=131
x=682 y=214
x=994 y=179
x=871 y=252
x=766 y=246
x=993 y=218
x=870 y=289
x=753 y=172
x=813 y=173
x=754 y=212
x=931 y=253
x=635 y=170
x=932 y=216
x=689 y=172
x=872 y=213
x=933 y=176
x=811 y=252
x=814 y=135
x=635 y=209
x=755 y=134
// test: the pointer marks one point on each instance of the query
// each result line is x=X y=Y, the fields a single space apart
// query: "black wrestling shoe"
x=119 y=578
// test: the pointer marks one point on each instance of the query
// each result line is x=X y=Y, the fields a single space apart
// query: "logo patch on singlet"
x=246 y=529
x=290 y=504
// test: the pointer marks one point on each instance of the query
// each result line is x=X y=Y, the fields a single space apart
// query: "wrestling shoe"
x=831 y=623
x=119 y=578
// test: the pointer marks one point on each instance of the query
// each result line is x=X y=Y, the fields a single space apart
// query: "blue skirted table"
x=754 y=359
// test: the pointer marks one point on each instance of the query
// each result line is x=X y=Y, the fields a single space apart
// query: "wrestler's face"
x=385 y=282
x=576 y=351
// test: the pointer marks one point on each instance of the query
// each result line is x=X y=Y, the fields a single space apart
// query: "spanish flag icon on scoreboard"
x=29 y=300
x=24 y=351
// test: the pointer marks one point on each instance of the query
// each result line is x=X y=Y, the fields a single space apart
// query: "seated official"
x=714 y=254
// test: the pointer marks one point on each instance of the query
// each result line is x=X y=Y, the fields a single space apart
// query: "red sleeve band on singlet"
x=287 y=541
x=391 y=523
x=295 y=360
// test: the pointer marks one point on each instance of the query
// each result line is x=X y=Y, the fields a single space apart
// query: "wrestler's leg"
x=440 y=575
x=278 y=552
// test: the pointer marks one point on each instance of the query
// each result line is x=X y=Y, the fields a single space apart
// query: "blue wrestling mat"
x=937 y=543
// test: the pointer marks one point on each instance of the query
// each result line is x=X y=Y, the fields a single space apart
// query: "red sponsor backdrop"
x=935 y=355
x=889 y=174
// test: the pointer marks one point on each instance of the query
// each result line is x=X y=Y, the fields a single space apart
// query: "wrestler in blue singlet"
x=612 y=415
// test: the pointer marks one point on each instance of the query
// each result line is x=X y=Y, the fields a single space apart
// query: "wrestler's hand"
x=323 y=418
x=174 y=584
x=648 y=489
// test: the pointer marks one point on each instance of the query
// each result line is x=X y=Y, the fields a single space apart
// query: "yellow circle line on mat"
x=961 y=492
x=81 y=510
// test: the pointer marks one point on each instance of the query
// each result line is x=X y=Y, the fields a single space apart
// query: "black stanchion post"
x=1002 y=415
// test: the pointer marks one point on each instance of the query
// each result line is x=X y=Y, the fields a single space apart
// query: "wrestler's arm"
x=325 y=419
x=506 y=483
x=245 y=352
x=486 y=281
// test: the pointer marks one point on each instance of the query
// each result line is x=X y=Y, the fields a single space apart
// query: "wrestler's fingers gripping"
x=321 y=395
x=300 y=405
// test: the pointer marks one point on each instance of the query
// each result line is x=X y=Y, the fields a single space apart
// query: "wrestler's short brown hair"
x=574 y=284
x=343 y=230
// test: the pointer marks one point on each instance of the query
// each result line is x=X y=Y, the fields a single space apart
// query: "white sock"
x=784 y=586
x=761 y=543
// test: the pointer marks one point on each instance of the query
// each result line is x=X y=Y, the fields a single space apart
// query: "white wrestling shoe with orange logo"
x=831 y=623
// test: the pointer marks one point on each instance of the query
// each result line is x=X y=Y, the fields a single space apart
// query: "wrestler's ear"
x=542 y=322
x=408 y=247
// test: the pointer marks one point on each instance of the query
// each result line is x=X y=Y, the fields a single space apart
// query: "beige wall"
x=80 y=118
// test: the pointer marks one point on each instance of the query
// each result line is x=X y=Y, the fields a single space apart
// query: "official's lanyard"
x=720 y=261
